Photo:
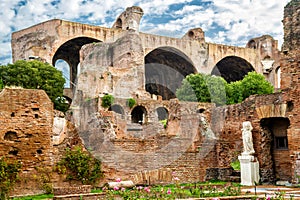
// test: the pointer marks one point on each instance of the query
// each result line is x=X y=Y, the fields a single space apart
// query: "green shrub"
x=131 y=102
x=79 y=165
x=207 y=88
x=202 y=88
x=236 y=165
x=61 y=104
x=164 y=122
x=9 y=172
x=107 y=100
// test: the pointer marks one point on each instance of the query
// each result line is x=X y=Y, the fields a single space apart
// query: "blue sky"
x=231 y=22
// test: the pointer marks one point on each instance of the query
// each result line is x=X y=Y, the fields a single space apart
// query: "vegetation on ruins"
x=176 y=191
x=131 y=102
x=9 y=171
x=35 y=75
x=207 y=88
x=80 y=166
x=107 y=100
x=164 y=122
x=44 y=177
x=202 y=88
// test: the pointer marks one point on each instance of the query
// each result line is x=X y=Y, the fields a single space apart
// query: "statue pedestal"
x=249 y=169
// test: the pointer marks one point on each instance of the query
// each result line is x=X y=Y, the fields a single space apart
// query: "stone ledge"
x=90 y=196
x=84 y=189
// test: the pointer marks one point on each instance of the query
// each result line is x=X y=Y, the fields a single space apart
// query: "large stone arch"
x=165 y=68
x=69 y=52
x=232 y=68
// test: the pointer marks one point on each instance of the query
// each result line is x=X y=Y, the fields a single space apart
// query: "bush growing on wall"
x=9 y=172
x=107 y=100
x=131 y=102
x=79 y=165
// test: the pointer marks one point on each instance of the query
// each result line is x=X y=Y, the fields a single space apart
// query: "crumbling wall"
x=275 y=163
x=26 y=119
x=115 y=68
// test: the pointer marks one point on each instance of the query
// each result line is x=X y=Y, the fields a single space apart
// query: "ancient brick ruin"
x=200 y=140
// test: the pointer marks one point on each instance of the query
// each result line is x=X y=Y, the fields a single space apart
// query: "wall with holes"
x=26 y=119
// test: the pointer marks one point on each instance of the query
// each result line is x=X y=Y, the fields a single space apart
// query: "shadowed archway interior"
x=232 y=68
x=69 y=52
x=165 y=68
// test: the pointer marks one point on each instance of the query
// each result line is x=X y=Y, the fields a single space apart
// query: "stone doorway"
x=275 y=159
x=138 y=115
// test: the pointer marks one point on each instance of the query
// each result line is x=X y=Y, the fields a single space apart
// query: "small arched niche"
x=10 y=136
x=251 y=44
x=119 y=23
x=117 y=109
x=139 y=115
x=162 y=113
x=278 y=77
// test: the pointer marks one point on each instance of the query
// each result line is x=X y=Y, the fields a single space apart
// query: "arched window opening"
x=232 y=68
x=64 y=67
x=278 y=77
x=201 y=110
x=251 y=44
x=117 y=109
x=138 y=115
x=162 y=113
x=10 y=136
x=119 y=23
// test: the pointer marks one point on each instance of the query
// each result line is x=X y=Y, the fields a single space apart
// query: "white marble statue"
x=247 y=138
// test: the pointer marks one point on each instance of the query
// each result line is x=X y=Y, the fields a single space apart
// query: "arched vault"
x=165 y=68
x=69 y=52
x=232 y=68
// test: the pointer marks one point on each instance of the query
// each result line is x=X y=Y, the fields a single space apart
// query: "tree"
x=206 y=88
x=202 y=88
x=234 y=92
x=254 y=83
x=34 y=75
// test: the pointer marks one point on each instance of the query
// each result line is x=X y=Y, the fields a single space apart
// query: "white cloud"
x=188 y=9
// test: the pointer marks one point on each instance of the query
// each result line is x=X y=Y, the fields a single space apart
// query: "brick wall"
x=26 y=118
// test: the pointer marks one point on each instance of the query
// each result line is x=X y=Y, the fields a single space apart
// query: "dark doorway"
x=138 y=115
x=276 y=163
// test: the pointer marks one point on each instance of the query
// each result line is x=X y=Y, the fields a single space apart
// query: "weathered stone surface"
x=26 y=119
x=83 y=189
x=124 y=184
x=133 y=143
x=59 y=39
